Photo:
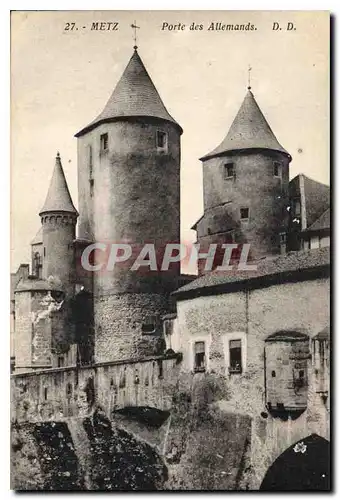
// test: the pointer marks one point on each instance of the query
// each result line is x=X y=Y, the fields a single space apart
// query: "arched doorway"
x=304 y=466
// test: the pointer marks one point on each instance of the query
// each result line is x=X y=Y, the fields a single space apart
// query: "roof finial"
x=135 y=27
x=249 y=70
x=58 y=155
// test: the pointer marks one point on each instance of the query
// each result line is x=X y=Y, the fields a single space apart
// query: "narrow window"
x=60 y=361
x=199 y=351
x=273 y=374
x=282 y=237
x=244 y=213
x=90 y=158
x=45 y=393
x=104 y=142
x=161 y=140
x=160 y=368
x=44 y=252
x=277 y=169
x=297 y=207
x=149 y=325
x=235 y=356
x=91 y=187
x=69 y=390
x=229 y=171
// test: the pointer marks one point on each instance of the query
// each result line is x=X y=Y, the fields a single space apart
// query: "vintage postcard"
x=170 y=266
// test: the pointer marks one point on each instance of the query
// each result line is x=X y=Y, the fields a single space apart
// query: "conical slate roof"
x=58 y=197
x=134 y=95
x=249 y=130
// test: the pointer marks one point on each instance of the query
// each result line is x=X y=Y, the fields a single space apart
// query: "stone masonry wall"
x=118 y=326
x=253 y=316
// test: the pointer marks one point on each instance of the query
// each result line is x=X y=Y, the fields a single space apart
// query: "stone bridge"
x=60 y=393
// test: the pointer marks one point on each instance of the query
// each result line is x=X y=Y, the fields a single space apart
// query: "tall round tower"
x=245 y=185
x=58 y=219
x=129 y=192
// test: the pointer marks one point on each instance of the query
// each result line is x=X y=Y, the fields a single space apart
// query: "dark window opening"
x=273 y=373
x=149 y=326
x=161 y=140
x=37 y=265
x=104 y=142
x=69 y=390
x=301 y=374
x=44 y=252
x=160 y=368
x=277 y=169
x=244 y=213
x=61 y=361
x=199 y=351
x=45 y=393
x=283 y=237
x=91 y=187
x=229 y=171
x=235 y=356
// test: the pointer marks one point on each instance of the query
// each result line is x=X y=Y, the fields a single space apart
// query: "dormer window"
x=104 y=142
x=229 y=171
x=162 y=141
x=277 y=169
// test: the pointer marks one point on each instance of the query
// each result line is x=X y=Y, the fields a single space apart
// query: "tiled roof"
x=249 y=130
x=323 y=335
x=58 y=197
x=134 y=95
x=35 y=284
x=293 y=261
x=323 y=222
x=286 y=335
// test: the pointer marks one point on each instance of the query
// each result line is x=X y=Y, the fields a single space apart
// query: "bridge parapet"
x=58 y=393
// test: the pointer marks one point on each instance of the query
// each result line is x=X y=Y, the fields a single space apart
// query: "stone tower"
x=245 y=185
x=58 y=219
x=129 y=192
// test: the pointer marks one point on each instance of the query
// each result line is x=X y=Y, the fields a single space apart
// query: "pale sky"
x=61 y=80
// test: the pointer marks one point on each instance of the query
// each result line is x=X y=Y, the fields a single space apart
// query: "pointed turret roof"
x=135 y=95
x=58 y=197
x=249 y=130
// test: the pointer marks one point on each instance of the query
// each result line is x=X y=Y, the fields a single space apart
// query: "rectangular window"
x=235 y=356
x=277 y=170
x=282 y=237
x=149 y=325
x=161 y=140
x=229 y=171
x=61 y=361
x=244 y=213
x=104 y=142
x=199 y=352
x=297 y=208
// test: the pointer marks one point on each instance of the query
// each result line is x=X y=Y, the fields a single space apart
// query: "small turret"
x=245 y=185
x=58 y=219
